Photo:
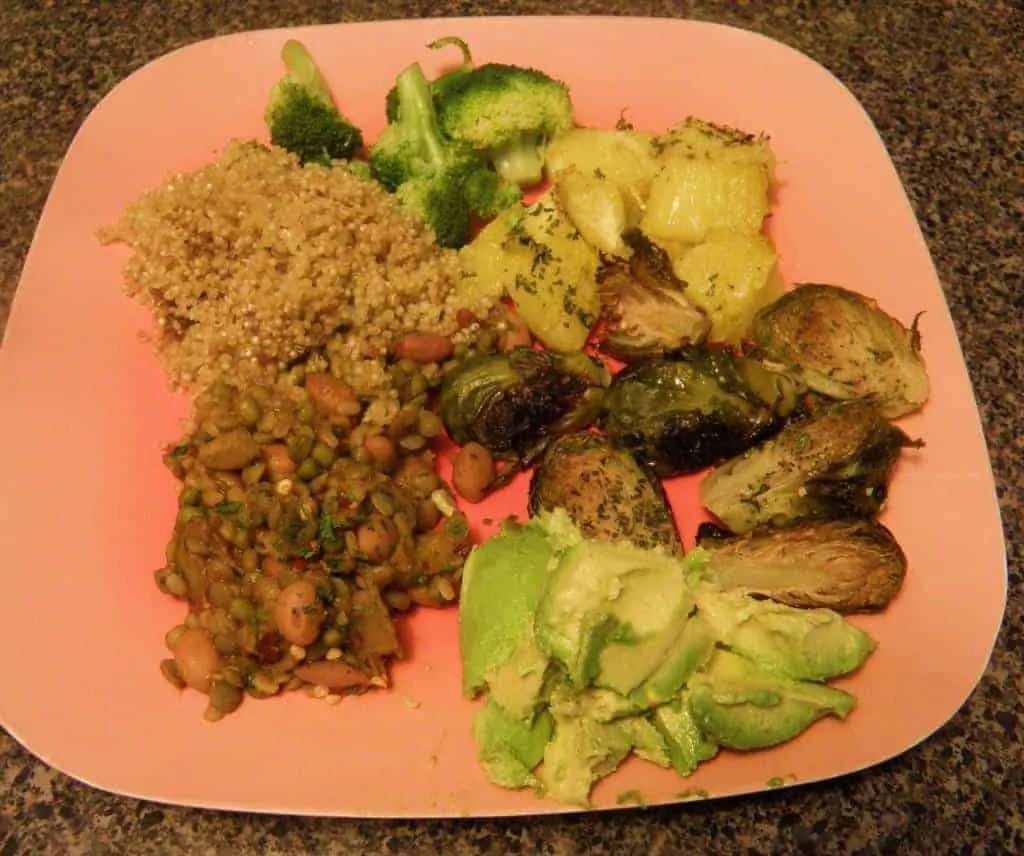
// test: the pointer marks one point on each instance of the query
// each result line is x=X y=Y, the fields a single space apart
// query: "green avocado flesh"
x=743 y=706
x=501 y=585
x=590 y=651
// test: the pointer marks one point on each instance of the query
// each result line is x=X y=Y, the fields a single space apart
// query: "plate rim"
x=14 y=324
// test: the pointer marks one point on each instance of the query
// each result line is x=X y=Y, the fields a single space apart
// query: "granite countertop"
x=944 y=82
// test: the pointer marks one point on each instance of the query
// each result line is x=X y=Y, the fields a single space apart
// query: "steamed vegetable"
x=596 y=207
x=833 y=465
x=602 y=178
x=438 y=85
x=845 y=565
x=842 y=345
x=730 y=276
x=505 y=114
x=709 y=177
x=514 y=403
x=621 y=159
x=508 y=114
x=302 y=116
x=605 y=492
x=443 y=184
x=682 y=414
x=534 y=255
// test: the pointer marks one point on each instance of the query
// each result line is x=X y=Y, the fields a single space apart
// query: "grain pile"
x=254 y=262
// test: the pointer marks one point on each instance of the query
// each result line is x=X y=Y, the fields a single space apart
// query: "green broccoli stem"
x=520 y=161
x=416 y=112
x=467 y=57
x=299 y=61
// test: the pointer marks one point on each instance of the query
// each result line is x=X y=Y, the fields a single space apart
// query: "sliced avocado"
x=581 y=752
x=626 y=661
x=623 y=666
x=501 y=584
x=690 y=650
x=687 y=745
x=562 y=532
x=584 y=750
x=743 y=706
x=516 y=684
x=604 y=594
x=645 y=739
x=509 y=749
x=595 y=703
x=803 y=644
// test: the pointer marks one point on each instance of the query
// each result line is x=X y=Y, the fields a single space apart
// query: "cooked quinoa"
x=255 y=262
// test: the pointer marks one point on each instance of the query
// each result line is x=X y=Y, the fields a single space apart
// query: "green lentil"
x=225 y=697
x=169 y=669
x=248 y=410
x=175 y=584
x=308 y=469
x=241 y=609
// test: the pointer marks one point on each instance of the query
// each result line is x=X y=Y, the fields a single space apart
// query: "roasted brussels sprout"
x=607 y=494
x=844 y=565
x=512 y=403
x=833 y=465
x=644 y=308
x=681 y=414
x=842 y=345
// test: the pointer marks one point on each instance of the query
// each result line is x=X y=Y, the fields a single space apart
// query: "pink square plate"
x=88 y=505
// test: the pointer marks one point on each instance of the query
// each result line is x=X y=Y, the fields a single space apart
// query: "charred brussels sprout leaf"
x=682 y=414
x=833 y=465
x=512 y=403
x=844 y=565
x=608 y=495
x=842 y=345
x=644 y=308
x=645 y=320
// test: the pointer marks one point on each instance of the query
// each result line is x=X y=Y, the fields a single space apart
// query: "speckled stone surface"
x=944 y=82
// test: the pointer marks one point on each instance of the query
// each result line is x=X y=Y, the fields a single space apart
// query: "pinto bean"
x=335 y=674
x=331 y=396
x=417 y=475
x=382 y=450
x=279 y=462
x=197 y=658
x=472 y=471
x=377 y=538
x=231 y=450
x=427 y=515
x=424 y=348
x=298 y=613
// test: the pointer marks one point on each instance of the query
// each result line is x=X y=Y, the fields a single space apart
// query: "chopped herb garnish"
x=328 y=523
x=634 y=797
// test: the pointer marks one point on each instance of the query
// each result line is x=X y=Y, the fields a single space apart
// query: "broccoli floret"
x=489 y=194
x=437 y=87
x=508 y=113
x=438 y=200
x=302 y=116
x=442 y=183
